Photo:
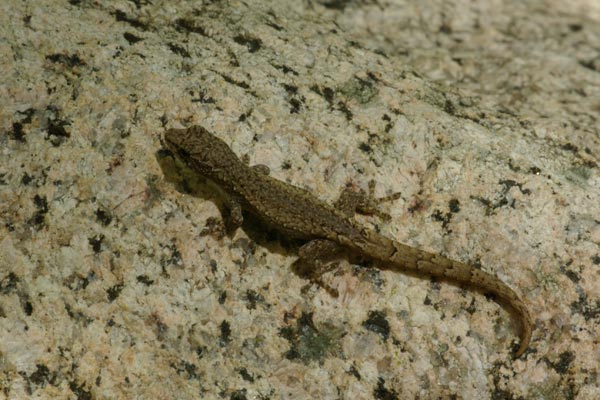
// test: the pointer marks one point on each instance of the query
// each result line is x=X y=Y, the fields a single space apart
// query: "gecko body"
x=327 y=230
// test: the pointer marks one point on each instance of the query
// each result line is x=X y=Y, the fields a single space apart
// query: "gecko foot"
x=352 y=201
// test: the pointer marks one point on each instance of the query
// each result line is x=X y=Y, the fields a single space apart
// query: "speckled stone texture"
x=118 y=282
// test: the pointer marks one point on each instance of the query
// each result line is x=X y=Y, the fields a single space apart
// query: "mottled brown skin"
x=328 y=230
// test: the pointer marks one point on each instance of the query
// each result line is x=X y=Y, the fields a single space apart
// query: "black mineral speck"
x=364 y=147
x=96 y=243
x=114 y=291
x=41 y=203
x=238 y=395
x=189 y=25
x=246 y=375
x=17 y=132
x=9 y=283
x=378 y=323
x=589 y=310
x=252 y=297
x=295 y=104
x=185 y=368
x=144 y=279
x=383 y=393
x=80 y=391
x=326 y=92
x=441 y=217
x=573 y=276
x=354 y=372
x=26 y=179
x=200 y=351
x=343 y=108
x=454 y=205
x=225 y=337
x=203 y=98
x=136 y=23
x=180 y=50
x=285 y=69
x=566 y=358
x=103 y=216
x=41 y=376
x=174 y=258
x=38 y=219
x=222 y=297
x=252 y=44
x=335 y=4
x=131 y=38
x=69 y=60
x=57 y=134
x=27 y=307
x=570 y=147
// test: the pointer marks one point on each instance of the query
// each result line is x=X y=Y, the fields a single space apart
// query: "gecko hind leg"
x=316 y=258
x=352 y=201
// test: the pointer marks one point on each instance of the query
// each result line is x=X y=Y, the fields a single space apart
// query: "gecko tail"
x=490 y=283
x=445 y=268
x=418 y=262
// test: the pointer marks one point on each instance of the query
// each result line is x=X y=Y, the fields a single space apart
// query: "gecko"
x=327 y=231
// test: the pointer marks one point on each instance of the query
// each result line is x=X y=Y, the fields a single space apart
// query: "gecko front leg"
x=232 y=214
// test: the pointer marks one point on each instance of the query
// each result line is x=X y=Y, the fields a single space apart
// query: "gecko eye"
x=183 y=153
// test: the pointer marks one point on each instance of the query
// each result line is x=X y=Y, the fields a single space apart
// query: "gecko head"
x=199 y=148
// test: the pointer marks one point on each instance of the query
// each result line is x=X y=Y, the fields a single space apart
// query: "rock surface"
x=115 y=282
